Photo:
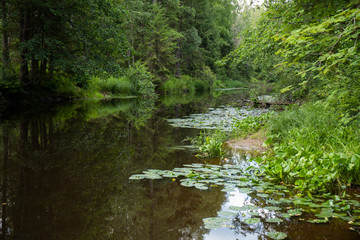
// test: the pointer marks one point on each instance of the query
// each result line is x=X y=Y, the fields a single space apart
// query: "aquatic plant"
x=210 y=143
x=251 y=124
x=248 y=178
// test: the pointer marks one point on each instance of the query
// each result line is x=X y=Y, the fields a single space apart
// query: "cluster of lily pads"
x=247 y=178
x=221 y=118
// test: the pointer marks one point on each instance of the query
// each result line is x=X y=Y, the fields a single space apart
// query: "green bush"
x=141 y=80
x=137 y=80
x=183 y=85
x=233 y=84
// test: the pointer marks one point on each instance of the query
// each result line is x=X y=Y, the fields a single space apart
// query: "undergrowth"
x=210 y=143
x=315 y=148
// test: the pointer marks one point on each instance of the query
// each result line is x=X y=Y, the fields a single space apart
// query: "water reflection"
x=64 y=175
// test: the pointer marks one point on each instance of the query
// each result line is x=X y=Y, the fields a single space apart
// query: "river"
x=65 y=175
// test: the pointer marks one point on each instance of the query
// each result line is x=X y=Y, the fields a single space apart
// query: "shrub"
x=184 y=84
x=141 y=80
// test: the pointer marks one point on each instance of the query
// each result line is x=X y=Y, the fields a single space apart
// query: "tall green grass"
x=115 y=86
x=314 y=147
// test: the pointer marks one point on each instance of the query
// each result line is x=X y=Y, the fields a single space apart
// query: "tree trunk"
x=5 y=40
x=24 y=36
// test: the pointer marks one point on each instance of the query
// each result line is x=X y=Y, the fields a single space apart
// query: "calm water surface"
x=65 y=169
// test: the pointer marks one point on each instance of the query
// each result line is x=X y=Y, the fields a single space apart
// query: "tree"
x=161 y=44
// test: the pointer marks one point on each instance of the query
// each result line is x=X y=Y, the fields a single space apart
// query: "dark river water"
x=64 y=174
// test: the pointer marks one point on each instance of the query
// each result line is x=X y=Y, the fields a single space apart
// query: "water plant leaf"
x=274 y=201
x=263 y=195
x=286 y=215
x=137 y=177
x=354 y=223
x=187 y=184
x=216 y=222
x=276 y=235
x=325 y=220
x=274 y=220
x=251 y=213
x=153 y=176
x=201 y=186
x=245 y=190
x=294 y=212
x=285 y=200
x=251 y=220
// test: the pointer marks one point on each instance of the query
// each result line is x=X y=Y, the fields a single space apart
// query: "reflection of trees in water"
x=66 y=178
x=165 y=210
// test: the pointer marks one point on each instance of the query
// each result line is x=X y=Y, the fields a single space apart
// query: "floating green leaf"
x=201 y=186
x=276 y=235
x=294 y=212
x=245 y=190
x=254 y=213
x=263 y=195
x=216 y=222
x=137 y=177
x=274 y=220
x=318 y=220
x=251 y=220
x=286 y=215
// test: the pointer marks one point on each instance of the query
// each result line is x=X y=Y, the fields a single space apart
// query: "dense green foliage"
x=308 y=51
x=314 y=149
x=249 y=125
x=58 y=47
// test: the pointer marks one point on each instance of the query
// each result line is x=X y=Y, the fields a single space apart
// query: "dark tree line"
x=43 y=40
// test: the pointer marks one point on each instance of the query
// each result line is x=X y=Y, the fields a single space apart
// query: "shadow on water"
x=65 y=170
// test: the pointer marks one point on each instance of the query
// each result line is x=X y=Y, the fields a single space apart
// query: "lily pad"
x=274 y=220
x=137 y=177
x=254 y=213
x=274 y=201
x=245 y=190
x=276 y=235
x=286 y=215
x=216 y=222
x=294 y=212
x=153 y=176
x=243 y=208
x=263 y=195
x=251 y=220
x=187 y=184
x=325 y=220
x=201 y=186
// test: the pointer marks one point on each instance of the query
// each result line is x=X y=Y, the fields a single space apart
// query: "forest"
x=81 y=49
